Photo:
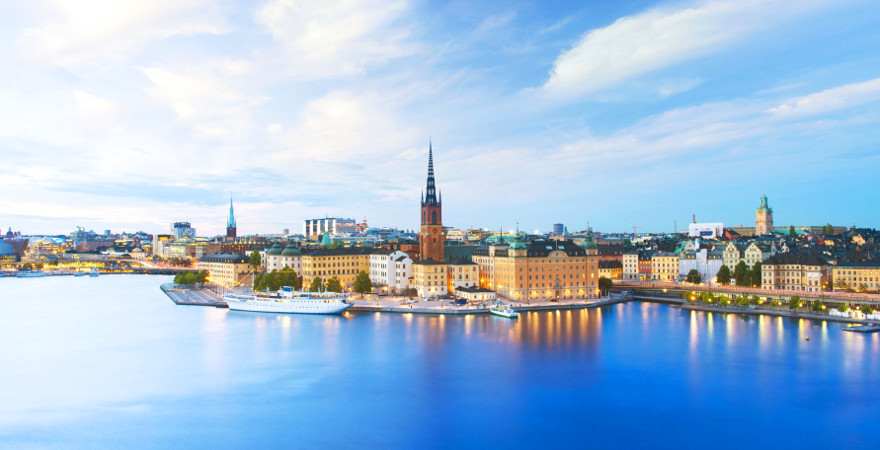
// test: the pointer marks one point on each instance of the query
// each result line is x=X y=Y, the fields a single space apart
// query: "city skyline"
x=614 y=115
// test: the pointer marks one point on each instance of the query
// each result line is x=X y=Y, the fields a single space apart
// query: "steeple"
x=430 y=188
x=230 y=222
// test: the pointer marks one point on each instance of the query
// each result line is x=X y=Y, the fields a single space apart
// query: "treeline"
x=742 y=275
x=190 y=278
x=274 y=280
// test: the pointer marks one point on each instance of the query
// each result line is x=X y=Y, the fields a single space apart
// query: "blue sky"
x=131 y=115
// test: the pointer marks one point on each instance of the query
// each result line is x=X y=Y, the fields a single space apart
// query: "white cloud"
x=83 y=30
x=322 y=38
x=830 y=100
x=659 y=38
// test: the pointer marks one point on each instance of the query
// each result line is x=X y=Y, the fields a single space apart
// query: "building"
x=228 y=270
x=279 y=257
x=613 y=270
x=558 y=229
x=344 y=263
x=183 y=230
x=795 y=271
x=231 y=229
x=664 y=266
x=539 y=270
x=758 y=252
x=462 y=274
x=431 y=237
x=476 y=294
x=763 y=218
x=733 y=253
x=314 y=229
x=429 y=278
x=706 y=230
x=859 y=277
x=390 y=271
x=707 y=262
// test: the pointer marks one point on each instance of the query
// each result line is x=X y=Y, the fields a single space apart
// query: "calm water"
x=110 y=362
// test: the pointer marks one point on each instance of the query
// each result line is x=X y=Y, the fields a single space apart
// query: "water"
x=110 y=362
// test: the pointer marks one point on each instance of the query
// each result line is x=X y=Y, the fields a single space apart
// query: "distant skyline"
x=133 y=115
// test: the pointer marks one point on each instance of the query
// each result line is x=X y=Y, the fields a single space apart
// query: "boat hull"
x=288 y=307
x=505 y=314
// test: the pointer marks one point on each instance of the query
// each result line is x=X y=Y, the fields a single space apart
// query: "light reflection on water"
x=75 y=349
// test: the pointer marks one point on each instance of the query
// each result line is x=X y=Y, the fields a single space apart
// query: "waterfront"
x=109 y=362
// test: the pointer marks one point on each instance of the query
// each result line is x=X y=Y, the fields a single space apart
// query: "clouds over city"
x=136 y=114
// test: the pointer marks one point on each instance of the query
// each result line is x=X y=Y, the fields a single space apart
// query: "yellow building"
x=664 y=266
x=343 y=263
x=539 y=270
x=613 y=270
x=860 y=277
x=795 y=272
x=430 y=278
x=227 y=270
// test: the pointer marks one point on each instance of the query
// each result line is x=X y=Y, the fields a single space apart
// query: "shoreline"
x=774 y=312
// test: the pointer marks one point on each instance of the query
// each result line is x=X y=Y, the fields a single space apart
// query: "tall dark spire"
x=230 y=221
x=430 y=189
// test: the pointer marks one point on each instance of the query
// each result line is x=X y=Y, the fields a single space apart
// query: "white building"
x=391 y=271
x=704 y=261
x=706 y=230
x=313 y=229
x=278 y=257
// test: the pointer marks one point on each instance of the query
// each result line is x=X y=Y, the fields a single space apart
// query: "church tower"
x=431 y=237
x=230 y=223
x=763 y=218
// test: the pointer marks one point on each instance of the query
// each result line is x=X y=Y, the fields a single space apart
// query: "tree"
x=362 y=283
x=723 y=275
x=317 y=284
x=333 y=285
x=794 y=302
x=605 y=285
x=255 y=259
x=791 y=231
x=755 y=274
x=828 y=230
x=741 y=273
x=693 y=276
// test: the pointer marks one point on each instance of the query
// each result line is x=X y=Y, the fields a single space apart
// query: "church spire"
x=430 y=188
x=230 y=222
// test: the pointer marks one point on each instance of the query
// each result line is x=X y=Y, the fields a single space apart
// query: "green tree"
x=605 y=285
x=333 y=285
x=791 y=231
x=724 y=275
x=255 y=259
x=362 y=283
x=317 y=284
x=693 y=276
x=755 y=274
x=741 y=274
x=828 y=230
x=794 y=302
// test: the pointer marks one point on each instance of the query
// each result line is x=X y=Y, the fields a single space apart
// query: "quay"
x=193 y=296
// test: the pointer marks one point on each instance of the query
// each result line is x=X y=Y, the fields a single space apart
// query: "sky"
x=130 y=115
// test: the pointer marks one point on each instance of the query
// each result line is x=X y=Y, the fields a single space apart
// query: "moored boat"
x=502 y=310
x=288 y=301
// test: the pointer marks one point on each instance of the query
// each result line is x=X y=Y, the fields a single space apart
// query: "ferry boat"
x=502 y=310
x=288 y=301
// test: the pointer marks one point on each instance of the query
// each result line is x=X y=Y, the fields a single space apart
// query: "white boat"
x=30 y=274
x=502 y=310
x=288 y=301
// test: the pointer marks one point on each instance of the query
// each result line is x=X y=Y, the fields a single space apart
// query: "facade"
x=431 y=236
x=462 y=275
x=763 y=218
x=795 y=272
x=630 y=266
x=733 y=253
x=278 y=257
x=391 y=271
x=227 y=270
x=343 y=263
x=613 y=270
x=705 y=261
x=558 y=229
x=476 y=294
x=757 y=252
x=539 y=270
x=429 y=278
x=664 y=266
x=231 y=229
x=859 y=277
x=314 y=229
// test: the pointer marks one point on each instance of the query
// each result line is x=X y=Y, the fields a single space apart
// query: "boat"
x=30 y=274
x=94 y=273
x=288 y=301
x=502 y=310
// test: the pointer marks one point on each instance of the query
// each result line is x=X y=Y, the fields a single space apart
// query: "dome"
x=291 y=250
x=274 y=249
x=517 y=245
